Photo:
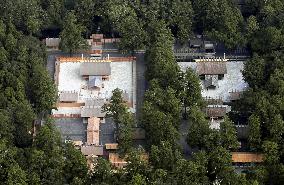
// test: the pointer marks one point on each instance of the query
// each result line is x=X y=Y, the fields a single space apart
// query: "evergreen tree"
x=71 y=35
x=228 y=134
x=254 y=137
x=43 y=92
x=198 y=129
x=123 y=119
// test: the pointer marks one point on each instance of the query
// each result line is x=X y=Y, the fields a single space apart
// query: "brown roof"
x=93 y=136
x=212 y=101
x=92 y=150
x=247 y=157
x=95 y=69
x=115 y=160
x=100 y=36
x=92 y=111
x=95 y=102
x=118 y=162
x=111 y=146
x=77 y=143
x=66 y=96
x=211 y=68
x=235 y=95
x=215 y=111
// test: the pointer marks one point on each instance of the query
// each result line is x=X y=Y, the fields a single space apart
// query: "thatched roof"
x=95 y=102
x=68 y=96
x=111 y=146
x=92 y=150
x=247 y=157
x=235 y=95
x=92 y=111
x=95 y=69
x=215 y=111
x=213 y=101
x=115 y=160
x=211 y=68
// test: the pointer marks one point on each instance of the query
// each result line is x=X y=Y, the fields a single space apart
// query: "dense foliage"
x=28 y=93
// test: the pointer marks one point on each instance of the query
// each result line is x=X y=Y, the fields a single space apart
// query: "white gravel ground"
x=70 y=80
x=121 y=77
x=232 y=81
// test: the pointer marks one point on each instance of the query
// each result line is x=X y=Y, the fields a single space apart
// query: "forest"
x=27 y=92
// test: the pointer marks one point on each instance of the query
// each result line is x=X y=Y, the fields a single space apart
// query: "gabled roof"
x=95 y=102
x=247 y=157
x=213 y=101
x=215 y=111
x=211 y=68
x=68 y=96
x=92 y=150
x=115 y=160
x=236 y=95
x=111 y=146
x=92 y=111
x=95 y=69
x=119 y=162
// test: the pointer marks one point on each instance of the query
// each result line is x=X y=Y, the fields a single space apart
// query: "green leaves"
x=192 y=89
x=164 y=155
x=254 y=137
x=71 y=35
x=123 y=119
x=254 y=73
x=129 y=26
x=199 y=130
x=161 y=114
x=271 y=152
x=42 y=89
x=228 y=134
x=220 y=20
x=158 y=125
x=102 y=173
x=75 y=165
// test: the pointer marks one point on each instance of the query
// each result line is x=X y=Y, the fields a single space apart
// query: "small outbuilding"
x=66 y=96
x=92 y=111
x=211 y=68
x=215 y=112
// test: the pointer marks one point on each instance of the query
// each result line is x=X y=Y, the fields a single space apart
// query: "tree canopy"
x=71 y=35
x=28 y=93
